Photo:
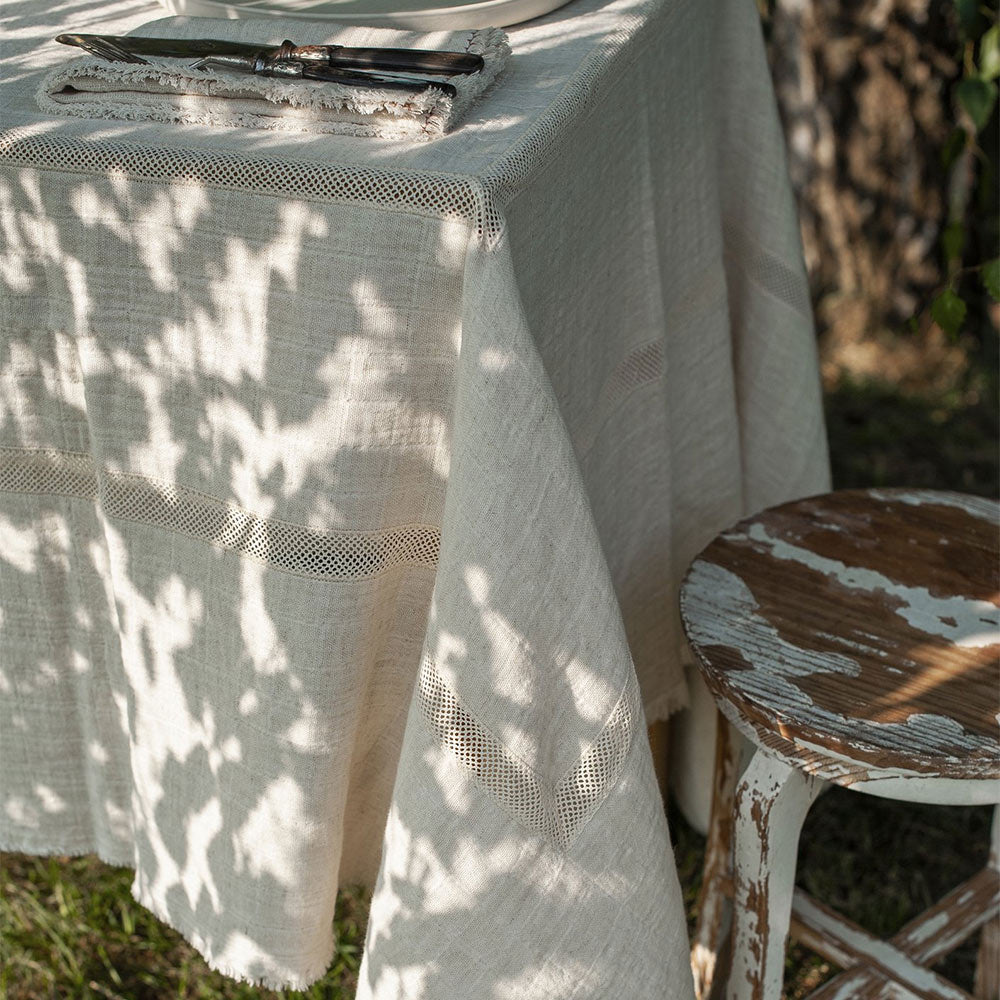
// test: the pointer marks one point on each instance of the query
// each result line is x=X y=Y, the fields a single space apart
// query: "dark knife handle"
x=406 y=60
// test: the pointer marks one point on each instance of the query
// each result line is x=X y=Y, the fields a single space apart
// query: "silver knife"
x=131 y=48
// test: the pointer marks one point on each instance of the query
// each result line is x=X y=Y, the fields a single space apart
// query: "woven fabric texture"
x=169 y=90
x=346 y=485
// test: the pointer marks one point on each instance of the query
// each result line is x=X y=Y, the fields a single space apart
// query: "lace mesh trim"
x=46 y=470
x=439 y=195
x=558 y=812
x=294 y=548
x=767 y=271
x=423 y=193
x=600 y=70
x=638 y=368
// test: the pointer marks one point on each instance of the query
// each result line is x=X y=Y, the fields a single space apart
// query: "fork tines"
x=102 y=47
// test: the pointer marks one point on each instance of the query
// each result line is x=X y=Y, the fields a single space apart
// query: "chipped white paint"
x=924 y=940
x=764 y=860
x=834 y=931
x=899 y=784
x=782 y=670
x=931 y=790
x=847 y=988
x=771 y=802
x=939 y=930
x=930 y=928
x=775 y=663
x=918 y=607
x=716 y=885
x=859 y=647
x=979 y=507
x=762 y=672
x=744 y=629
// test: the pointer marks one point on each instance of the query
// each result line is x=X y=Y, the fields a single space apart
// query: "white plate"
x=413 y=14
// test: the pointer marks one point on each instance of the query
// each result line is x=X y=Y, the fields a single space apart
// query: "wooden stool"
x=853 y=638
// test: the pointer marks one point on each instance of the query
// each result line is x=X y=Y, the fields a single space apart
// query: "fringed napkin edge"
x=382 y=112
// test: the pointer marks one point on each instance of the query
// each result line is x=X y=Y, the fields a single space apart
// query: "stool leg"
x=772 y=800
x=716 y=883
x=987 y=985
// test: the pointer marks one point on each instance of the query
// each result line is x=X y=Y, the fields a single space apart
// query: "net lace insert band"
x=293 y=548
x=555 y=811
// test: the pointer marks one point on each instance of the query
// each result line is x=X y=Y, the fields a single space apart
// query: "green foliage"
x=977 y=96
x=990 y=275
x=989 y=54
x=948 y=311
x=953 y=241
x=969 y=240
x=968 y=15
x=954 y=147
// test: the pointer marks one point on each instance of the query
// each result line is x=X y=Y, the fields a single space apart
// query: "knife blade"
x=335 y=56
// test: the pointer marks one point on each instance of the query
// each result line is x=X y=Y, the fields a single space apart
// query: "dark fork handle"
x=371 y=80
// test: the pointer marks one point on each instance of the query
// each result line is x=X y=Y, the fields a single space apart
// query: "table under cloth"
x=346 y=486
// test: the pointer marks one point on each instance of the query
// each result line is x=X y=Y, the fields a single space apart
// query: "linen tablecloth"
x=346 y=486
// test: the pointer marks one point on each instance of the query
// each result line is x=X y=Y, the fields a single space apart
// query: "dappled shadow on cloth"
x=427 y=940
x=191 y=703
x=193 y=398
x=299 y=428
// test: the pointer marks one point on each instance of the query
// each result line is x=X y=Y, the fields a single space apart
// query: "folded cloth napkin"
x=169 y=90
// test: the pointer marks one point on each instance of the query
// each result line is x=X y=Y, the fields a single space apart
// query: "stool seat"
x=852 y=638
x=858 y=633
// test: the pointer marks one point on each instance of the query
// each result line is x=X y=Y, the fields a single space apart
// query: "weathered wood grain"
x=987 y=984
x=716 y=885
x=821 y=928
x=863 y=622
x=854 y=638
x=772 y=800
x=924 y=941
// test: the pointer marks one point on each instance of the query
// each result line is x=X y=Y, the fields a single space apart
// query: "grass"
x=70 y=928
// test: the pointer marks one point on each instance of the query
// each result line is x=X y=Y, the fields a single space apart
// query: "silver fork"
x=104 y=48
